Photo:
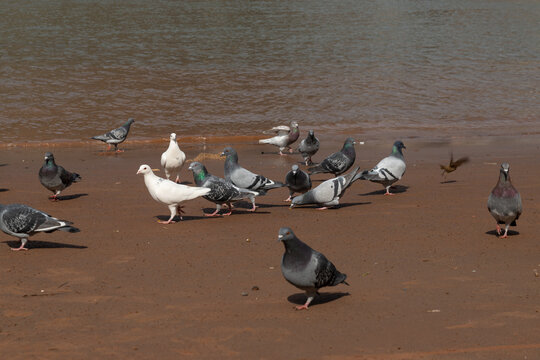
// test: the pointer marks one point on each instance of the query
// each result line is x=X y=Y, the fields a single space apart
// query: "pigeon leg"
x=215 y=213
x=281 y=154
x=23 y=242
x=505 y=232
x=177 y=179
x=173 y=208
x=180 y=211
x=230 y=209
x=54 y=197
x=308 y=301
x=388 y=191
x=289 y=198
x=254 y=208
x=323 y=208
x=108 y=147
x=498 y=229
x=290 y=150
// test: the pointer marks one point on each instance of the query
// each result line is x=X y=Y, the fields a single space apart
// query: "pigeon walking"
x=305 y=268
x=244 y=178
x=328 y=192
x=54 y=177
x=504 y=202
x=284 y=138
x=297 y=181
x=453 y=165
x=22 y=221
x=221 y=190
x=338 y=162
x=116 y=136
x=173 y=159
x=168 y=192
x=308 y=147
x=388 y=170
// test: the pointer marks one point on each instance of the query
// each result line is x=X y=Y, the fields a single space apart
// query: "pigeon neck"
x=50 y=163
x=397 y=152
x=297 y=250
x=504 y=179
x=348 y=149
x=231 y=159
x=200 y=176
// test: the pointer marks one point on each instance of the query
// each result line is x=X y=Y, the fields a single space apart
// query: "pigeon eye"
x=288 y=233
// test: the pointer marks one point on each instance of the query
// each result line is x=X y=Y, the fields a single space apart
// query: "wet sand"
x=429 y=278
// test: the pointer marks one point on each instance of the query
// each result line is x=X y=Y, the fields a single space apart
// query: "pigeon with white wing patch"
x=388 y=170
x=284 y=138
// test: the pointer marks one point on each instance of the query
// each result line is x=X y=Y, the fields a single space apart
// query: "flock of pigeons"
x=302 y=266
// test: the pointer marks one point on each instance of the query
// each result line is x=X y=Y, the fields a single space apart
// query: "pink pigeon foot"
x=301 y=307
x=288 y=199
x=19 y=248
x=323 y=208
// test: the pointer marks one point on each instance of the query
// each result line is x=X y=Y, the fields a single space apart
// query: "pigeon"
x=243 y=178
x=222 y=191
x=453 y=165
x=328 y=192
x=168 y=192
x=115 y=136
x=297 y=181
x=173 y=159
x=504 y=202
x=284 y=138
x=22 y=221
x=338 y=162
x=305 y=268
x=308 y=147
x=54 y=177
x=388 y=170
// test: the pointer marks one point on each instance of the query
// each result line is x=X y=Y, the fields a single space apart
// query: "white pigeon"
x=168 y=192
x=284 y=138
x=173 y=159
x=388 y=170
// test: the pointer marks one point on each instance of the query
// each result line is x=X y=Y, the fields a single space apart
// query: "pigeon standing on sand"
x=22 y=221
x=168 y=192
x=297 y=181
x=284 y=138
x=504 y=202
x=328 y=192
x=244 y=178
x=308 y=147
x=305 y=268
x=388 y=170
x=173 y=159
x=116 y=136
x=54 y=177
x=453 y=165
x=338 y=162
x=222 y=191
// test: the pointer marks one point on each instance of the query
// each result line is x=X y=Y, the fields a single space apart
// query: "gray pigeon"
x=116 y=136
x=504 y=202
x=388 y=170
x=297 y=181
x=338 y=162
x=54 y=177
x=221 y=190
x=243 y=178
x=328 y=192
x=22 y=221
x=284 y=138
x=305 y=268
x=308 y=147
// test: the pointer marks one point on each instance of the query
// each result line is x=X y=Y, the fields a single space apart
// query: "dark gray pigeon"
x=297 y=181
x=308 y=147
x=504 y=202
x=54 y=177
x=338 y=162
x=284 y=138
x=22 y=221
x=221 y=190
x=244 y=178
x=328 y=192
x=305 y=268
x=116 y=136
x=388 y=170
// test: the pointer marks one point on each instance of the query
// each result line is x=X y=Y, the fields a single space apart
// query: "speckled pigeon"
x=338 y=162
x=54 y=177
x=116 y=136
x=504 y=202
x=308 y=147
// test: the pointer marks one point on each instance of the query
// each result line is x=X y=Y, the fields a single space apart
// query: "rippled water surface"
x=73 y=69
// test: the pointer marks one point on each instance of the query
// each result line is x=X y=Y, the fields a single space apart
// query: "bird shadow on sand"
x=236 y=211
x=398 y=189
x=322 y=298
x=4 y=190
x=344 y=205
x=38 y=244
x=177 y=218
x=70 y=197
x=448 y=181
x=3 y=165
x=286 y=152
x=494 y=232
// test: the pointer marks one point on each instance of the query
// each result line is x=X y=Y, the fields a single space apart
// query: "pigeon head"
x=398 y=145
x=294 y=169
x=173 y=137
x=294 y=125
x=230 y=153
x=311 y=134
x=349 y=142
x=285 y=234
x=49 y=157
x=130 y=121
x=505 y=172
x=144 y=169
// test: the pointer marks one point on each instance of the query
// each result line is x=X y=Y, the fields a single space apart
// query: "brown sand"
x=429 y=279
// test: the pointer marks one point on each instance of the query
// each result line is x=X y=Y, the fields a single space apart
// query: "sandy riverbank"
x=429 y=279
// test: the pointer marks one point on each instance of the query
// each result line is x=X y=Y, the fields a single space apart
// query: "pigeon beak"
x=138 y=172
x=222 y=154
x=155 y=170
x=404 y=147
x=279 y=237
